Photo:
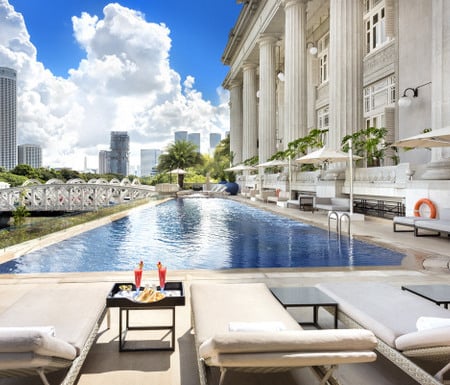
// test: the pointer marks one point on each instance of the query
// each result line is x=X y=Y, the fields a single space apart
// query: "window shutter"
x=390 y=19
x=389 y=121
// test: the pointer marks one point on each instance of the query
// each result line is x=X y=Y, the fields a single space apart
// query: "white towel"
x=425 y=323
x=256 y=326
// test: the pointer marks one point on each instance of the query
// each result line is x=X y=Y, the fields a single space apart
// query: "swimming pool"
x=200 y=233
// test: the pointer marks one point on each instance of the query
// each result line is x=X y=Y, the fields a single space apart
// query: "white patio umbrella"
x=241 y=167
x=178 y=171
x=433 y=138
x=326 y=154
x=274 y=163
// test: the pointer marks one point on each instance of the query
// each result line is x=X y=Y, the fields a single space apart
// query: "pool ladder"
x=338 y=216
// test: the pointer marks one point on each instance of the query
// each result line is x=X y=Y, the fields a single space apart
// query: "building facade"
x=120 y=152
x=30 y=154
x=341 y=65
x=104 y=162
x=195 y=139
x=214 y=140
x=149 y=161
x=8 y=118
x=181 y=135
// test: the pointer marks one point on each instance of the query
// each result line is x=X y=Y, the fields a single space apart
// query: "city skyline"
x=129 y=75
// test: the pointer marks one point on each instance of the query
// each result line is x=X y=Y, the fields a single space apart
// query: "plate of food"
x=149 y=295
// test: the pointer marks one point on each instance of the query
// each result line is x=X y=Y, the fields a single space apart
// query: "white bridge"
x=75 y=195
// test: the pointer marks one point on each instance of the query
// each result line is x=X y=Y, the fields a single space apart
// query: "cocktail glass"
x=137 y=279
x=162 y=277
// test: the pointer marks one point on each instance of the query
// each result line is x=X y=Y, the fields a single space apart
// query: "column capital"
x=289 y=3
x=268 y=38
x=247 y=65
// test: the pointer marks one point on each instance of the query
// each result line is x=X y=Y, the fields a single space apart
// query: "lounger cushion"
x=386 y=310
x=73 y=309
x=424 y=339
x=234 y=303
x=289 y=341
x=36 y=341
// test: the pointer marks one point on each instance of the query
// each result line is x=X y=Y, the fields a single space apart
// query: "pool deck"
x=105 y=365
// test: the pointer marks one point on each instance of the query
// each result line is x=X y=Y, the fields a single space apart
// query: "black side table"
x=439 y=294
x=174 y=297
x=306 y=297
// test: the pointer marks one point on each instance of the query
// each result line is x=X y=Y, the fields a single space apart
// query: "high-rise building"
x=181 y=135
x=195 y=138
x=214 y=140
x=104 y=162
x=8 y=118
x=120 y=151
x=30 y=154
x=149 y=161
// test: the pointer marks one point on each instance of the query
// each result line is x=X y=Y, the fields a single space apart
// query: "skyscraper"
x=149 y=161
x=195 y=138
x=30 y=154
x=181 y=135
x=8 y=118
x=120 y=150
x=214 y=139
x=104 y=162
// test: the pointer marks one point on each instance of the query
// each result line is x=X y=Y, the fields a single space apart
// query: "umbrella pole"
x=350 y=154
x=290 y=177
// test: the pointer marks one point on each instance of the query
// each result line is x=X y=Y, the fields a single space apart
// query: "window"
x=375 y=23
x=379 y=94
x=322 y=55
x=323 y=120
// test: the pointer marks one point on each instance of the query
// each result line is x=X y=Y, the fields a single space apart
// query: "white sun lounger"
x=48 y=327
x=392 y=315
x=243 y=327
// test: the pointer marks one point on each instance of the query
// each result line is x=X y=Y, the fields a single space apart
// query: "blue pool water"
x=202 y=234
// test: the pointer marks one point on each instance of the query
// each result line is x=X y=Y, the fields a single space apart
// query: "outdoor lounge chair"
x=441 y=225
x=49 y=327
x=331 y=204
x=407 y=221
x=243 y=327
x=392 y=315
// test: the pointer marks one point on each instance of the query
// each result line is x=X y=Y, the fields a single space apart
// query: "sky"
x=89 y=67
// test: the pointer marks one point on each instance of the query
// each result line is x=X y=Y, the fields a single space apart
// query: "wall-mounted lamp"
x=405 y=100
x=312 y=48
x=257 y=94
x=280 y=76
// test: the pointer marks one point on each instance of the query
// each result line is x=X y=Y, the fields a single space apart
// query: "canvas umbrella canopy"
x=433 y=138
x=274 y=163
x=241 y=167
x=326 y=154
x=178 y=171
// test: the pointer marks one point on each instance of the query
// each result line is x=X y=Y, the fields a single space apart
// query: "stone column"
x=249 y=112
x=267 y=97
x=236 y=131
x=295 y=70
x=345 y=82
x=440 y=76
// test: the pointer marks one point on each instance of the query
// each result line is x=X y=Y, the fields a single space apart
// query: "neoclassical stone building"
x=343 y=65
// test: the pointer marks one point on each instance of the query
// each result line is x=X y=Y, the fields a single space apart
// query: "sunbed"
x=441 y=225
x=407 y=221
x=392 y=315
x=49 y=327
x=243 y=327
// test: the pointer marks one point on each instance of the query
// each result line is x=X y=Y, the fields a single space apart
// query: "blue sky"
x=89 y=67
x=198 y=28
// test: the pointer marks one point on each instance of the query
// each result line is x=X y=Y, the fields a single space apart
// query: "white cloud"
x=124 y=83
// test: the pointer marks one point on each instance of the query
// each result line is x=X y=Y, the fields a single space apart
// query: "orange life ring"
x=427 y=202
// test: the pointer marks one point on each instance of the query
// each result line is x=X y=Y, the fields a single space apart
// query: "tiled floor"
x=105 y=365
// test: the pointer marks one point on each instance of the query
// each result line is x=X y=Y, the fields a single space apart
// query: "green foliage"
x=19 y=215
x=368 y=143
x=13 y=179
x=181 y=154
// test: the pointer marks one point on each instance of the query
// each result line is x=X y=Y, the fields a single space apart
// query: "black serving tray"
x=171 y=299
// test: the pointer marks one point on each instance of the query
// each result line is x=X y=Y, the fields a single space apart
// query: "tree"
x=181 y=154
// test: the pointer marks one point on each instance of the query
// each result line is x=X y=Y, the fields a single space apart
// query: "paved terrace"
x=105 y=365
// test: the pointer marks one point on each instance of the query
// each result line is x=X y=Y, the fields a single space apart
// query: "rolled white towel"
x=269 y=326
x=425 y=323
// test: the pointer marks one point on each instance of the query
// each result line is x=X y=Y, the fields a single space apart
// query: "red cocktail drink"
x=137 y=278
x=162 y=277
